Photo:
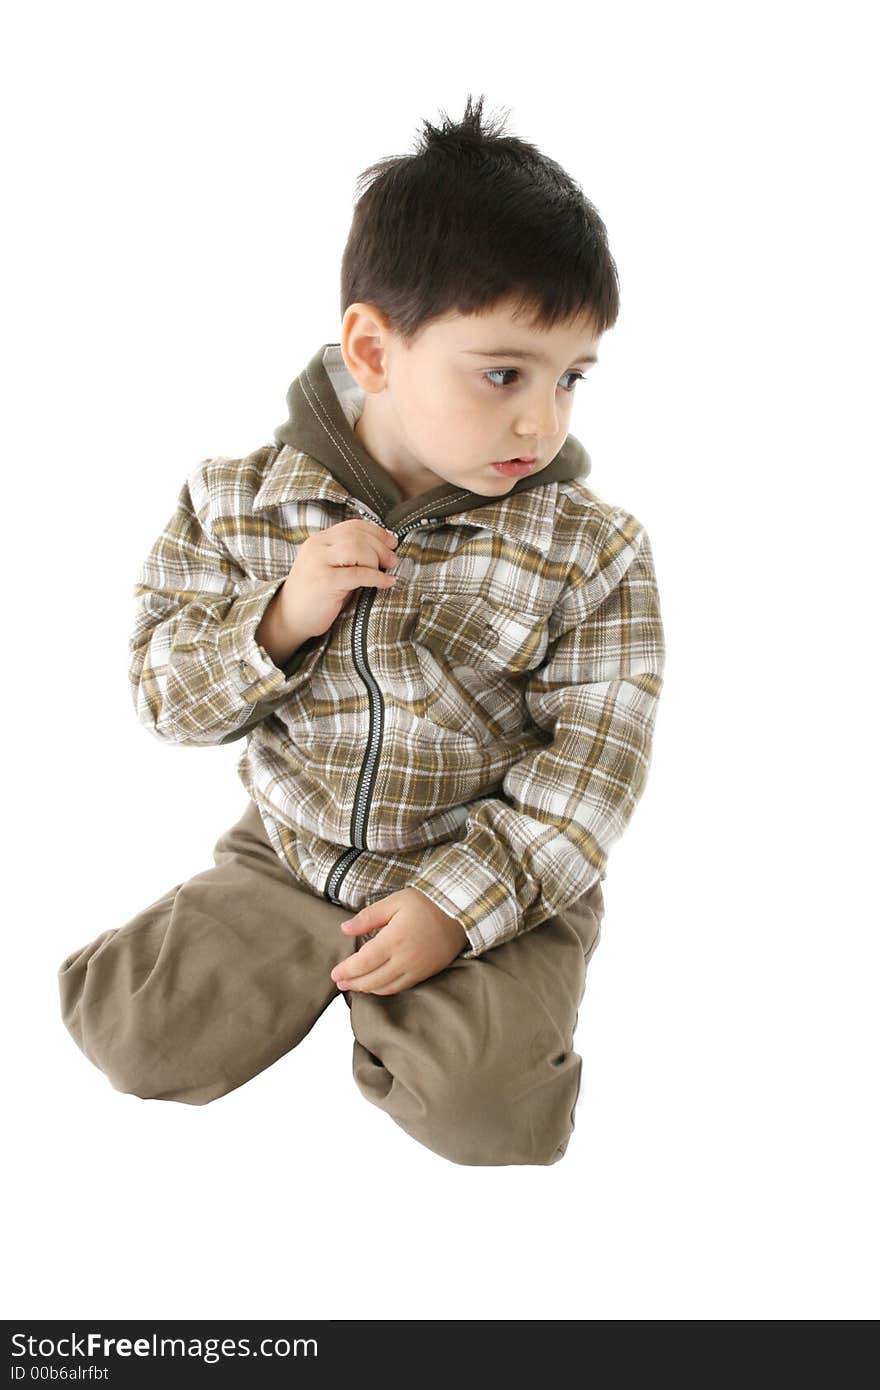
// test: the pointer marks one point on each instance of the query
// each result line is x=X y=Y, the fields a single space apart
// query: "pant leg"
x=477 y=1062
x=210 y=984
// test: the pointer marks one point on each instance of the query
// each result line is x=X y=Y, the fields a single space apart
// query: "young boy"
x=445 y=653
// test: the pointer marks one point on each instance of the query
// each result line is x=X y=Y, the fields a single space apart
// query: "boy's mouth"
x=515 y=466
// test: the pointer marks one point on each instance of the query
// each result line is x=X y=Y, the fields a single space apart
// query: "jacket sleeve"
x=533 y=851
x=197 y=674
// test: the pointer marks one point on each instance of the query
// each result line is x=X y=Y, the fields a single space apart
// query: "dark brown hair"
x=473 y=217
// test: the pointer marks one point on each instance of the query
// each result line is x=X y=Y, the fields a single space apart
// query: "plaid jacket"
x=481 y=731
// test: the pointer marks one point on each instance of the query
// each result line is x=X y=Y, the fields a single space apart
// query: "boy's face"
x=460 y=399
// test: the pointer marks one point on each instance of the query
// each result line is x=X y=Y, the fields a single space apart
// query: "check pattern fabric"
x=481 y=731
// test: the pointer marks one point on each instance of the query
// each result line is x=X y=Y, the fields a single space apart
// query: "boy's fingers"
x=360 y=575
x=380 y=543
x=354 y=926
x=356 y=968
x=383 y=975
x=369 y=916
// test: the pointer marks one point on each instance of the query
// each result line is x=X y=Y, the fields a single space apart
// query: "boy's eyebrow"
x=521 y=352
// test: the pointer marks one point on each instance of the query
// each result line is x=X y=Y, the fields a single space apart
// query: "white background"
x=179 y=181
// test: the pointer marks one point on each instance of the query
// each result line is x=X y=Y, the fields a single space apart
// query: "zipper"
x=369 y=766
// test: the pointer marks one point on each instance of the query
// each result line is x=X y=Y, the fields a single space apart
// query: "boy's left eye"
x=512 y=371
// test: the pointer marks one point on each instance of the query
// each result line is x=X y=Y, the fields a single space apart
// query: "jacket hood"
x=323 y=404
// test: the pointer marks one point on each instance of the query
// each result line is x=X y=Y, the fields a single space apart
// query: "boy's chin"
x=485 y=483
x=506 y=485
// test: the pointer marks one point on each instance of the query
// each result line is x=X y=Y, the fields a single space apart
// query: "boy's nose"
x=541 y=423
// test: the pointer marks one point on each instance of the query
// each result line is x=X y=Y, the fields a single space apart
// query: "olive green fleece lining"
x=318 y=426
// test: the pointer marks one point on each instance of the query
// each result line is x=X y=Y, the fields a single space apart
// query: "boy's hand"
x=329 y=565
x=416 y=941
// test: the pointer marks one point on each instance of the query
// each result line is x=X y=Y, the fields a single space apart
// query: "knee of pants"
x=113 y=1032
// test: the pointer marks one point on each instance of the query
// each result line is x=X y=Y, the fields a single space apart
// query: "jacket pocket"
x=475 y=655
x=481 y=634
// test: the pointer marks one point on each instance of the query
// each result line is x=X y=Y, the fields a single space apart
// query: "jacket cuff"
x=249 y=666
x=466 y=883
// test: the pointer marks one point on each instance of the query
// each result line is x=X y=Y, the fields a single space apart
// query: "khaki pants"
x=227 y=972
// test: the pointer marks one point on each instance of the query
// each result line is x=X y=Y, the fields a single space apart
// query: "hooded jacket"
x=481 y=730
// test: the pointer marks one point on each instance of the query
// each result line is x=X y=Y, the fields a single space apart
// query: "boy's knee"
x=113 y=1030
x=73 y=989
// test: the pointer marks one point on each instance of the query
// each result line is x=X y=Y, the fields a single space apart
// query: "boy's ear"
x=363 y=341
